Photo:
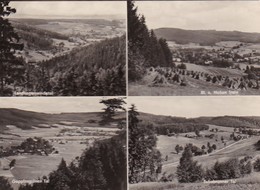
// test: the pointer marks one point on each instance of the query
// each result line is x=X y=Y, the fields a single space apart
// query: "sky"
x=195 y=106
x=65 y=9
x=53 y=104
x=219 y=15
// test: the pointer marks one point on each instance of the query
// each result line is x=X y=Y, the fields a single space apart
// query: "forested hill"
x=94 y=70
x=227 y=121
x=36 y=38
x=105 y=54
x=205 y=37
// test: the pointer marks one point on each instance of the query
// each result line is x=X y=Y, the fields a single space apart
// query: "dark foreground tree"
x=12 y=163
x=101 y=167
x=188 y=170
x=112 y=106
x=144 y=49
x=11 y=68
x=257 y=165
x=4 y=184
x=144 y=159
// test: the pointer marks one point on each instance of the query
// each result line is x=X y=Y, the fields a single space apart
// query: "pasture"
x=193 y=86
x=69 y=145
x=225 y=149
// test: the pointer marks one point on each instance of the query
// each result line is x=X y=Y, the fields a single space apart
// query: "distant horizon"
x=53 y=113
x=196 y=106
x=199 y=116
x=201 y=15
x=206 y=30
x=54 y=105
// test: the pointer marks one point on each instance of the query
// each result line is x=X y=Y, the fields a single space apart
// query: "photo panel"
x=181 y=143
x=68 y=143
x=193 y=48
x=63 y=48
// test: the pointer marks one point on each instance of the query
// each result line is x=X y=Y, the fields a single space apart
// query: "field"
x=194 y=87
x=249 y=56
x=69 y=138
x=226 y=149
x=194 y=186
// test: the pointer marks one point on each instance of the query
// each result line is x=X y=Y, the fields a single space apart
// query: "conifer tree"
x=143 y=155
x=11 y=68
x=188 y=170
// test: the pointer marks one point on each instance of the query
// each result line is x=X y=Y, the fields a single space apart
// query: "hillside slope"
x=28 y=119
x=205 y=37
x=226 y=121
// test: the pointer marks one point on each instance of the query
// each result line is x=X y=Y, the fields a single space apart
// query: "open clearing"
x=69 y=145
x=194 y=87
x=224 y=151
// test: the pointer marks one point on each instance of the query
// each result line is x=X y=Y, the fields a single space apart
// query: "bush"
x=257 y=165
x=182 y=66
x=165 y=178
x=227 y=170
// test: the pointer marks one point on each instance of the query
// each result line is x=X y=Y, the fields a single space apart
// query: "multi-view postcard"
x=66 y=144
x=193 y=48
x=209 y=143
x=63 y=48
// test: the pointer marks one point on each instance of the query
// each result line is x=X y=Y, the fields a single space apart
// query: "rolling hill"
x=28 y=119
x=227 y=121
x=205 y=37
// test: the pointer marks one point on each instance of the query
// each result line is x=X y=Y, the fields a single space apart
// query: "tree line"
x=144 y=48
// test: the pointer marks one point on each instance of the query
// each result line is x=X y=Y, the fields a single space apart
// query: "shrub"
x=182 y=66
x=257 y=165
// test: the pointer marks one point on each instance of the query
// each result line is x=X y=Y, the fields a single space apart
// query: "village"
x=235 y=55
x=36 y=145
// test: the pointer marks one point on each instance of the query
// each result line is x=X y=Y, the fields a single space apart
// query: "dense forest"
x=98 y=69
x=144 y=48
x=94 y=70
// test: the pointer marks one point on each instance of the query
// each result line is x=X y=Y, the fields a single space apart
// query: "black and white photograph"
x=183 y=143
x=63 y=143
x=63 y=48
x=193 y=48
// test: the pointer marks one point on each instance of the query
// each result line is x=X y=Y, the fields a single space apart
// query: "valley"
x=70 y=134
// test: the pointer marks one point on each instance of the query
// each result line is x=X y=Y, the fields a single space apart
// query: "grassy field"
x=69 y=133
x=237 y=149
x=194 y=87
x=194 y=186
